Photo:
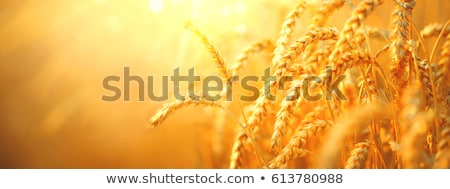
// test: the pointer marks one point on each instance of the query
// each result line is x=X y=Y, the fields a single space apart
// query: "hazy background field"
x=55 y=54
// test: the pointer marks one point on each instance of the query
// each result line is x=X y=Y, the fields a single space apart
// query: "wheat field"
x=389 y=59
x=395 y=112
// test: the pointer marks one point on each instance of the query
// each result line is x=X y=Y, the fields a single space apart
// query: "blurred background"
x=55 y=54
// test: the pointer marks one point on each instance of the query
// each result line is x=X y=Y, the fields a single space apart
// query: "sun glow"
x=156 y=6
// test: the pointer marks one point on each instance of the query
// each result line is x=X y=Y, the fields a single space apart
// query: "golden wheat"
x=395 y=111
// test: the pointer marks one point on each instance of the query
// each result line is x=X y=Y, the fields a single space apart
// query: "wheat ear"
x=284 y=114
x=170 y=108
x=294 y=149
x=442 y=159
x=324 y=11
x=401 y=57
x=215 y=53
x=287 y=29
x=358 y=155
x=285 y=63
x=242 y=58
x=362 y=10
x=433 y=30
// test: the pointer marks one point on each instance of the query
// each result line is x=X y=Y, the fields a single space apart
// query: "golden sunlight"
x=60 y=59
